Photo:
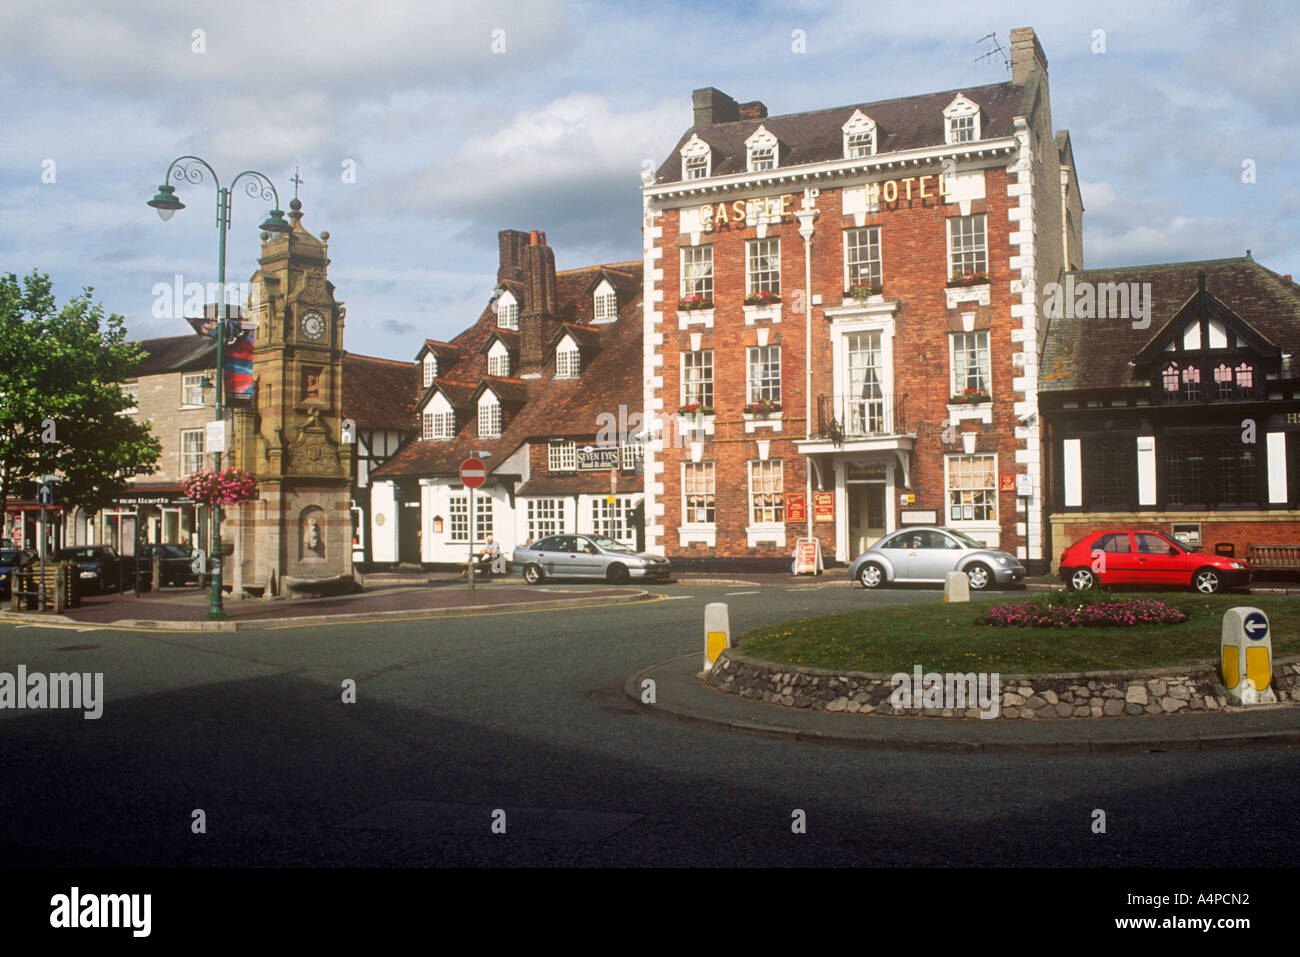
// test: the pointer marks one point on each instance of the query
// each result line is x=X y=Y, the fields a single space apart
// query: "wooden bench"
x=1274 y=557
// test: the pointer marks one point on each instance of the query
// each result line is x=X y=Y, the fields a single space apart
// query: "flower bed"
x=1089 y=612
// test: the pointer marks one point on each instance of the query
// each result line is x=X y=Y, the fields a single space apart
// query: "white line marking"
x=730 y=593
x=677 y=597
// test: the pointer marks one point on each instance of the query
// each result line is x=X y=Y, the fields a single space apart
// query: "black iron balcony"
x=841 y=417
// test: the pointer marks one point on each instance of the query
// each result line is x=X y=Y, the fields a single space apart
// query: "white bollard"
x=717 y=632
x=1246 y=657
x=956 y=587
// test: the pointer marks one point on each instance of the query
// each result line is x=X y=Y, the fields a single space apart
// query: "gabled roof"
x=904 y=123
x=1081 y=354
x=459 y=395
x=507 y=337
x=552 y=407
x=441 y=350
x=1203 y=304
x=509 y=390
x=587 y=337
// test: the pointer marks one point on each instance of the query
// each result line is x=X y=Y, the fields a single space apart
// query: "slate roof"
x=1093 y=354
x=551 y=408
x=186 y=353
x=379 y=393
x=905 y=123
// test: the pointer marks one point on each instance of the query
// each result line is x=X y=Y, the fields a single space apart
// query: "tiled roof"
x=580 y=483
x=177 y=354
x=1088 y=354
x=553 y=407
x=379 y=393
x=905 y=123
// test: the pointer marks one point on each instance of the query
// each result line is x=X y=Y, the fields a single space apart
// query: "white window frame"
x=430 y=369
x=697 y=377
x=604 y=303
x=968 y=245
x=697 y=271
x=613 y=521
x=762 y=151
x=427 y=426
x=544 y=517
x=957 y=377
x=968 y=112
x=568 y=360
x=859 y=126
x=498 y=360
x=132 y=391
x=854 y=260
x=771 y=511
x=705 y=489
x=561 y=456
x=760 y=361
x=192 y=459
x=191 y=389
x=767 y=250
x=458 y=518
x=630 y=453
x=697 y=159
x=507 y=311
x=979 y=496
x=490 y=419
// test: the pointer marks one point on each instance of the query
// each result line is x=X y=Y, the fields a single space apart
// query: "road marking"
x=730 y=593
x=677 y=597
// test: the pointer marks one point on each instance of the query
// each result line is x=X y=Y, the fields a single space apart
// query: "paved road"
x=521 y=712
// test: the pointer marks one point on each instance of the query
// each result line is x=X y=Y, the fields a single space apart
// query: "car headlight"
x=1003 y=560
x=89 y=574
x=1237 y=564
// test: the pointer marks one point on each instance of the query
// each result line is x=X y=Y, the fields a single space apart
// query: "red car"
x=1147 y=558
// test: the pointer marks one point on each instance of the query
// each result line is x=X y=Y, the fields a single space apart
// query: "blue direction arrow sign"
x=44 y=494
x=1256 y=626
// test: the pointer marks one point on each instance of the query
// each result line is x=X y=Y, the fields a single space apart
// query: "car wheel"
x=533 y=574
x=871 y=575
x=979 y=576
x=1207 y=581
x=1081 y=579
x=618 y=574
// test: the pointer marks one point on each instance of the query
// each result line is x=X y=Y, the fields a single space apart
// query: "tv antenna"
x=995 y=51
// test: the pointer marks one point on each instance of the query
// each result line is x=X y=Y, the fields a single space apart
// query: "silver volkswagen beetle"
x=587 y=556
x=926 y=553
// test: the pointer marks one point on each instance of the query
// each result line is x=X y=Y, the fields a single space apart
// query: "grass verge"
x=946 y=637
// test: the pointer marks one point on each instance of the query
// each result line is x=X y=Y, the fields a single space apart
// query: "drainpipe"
x=806 y=214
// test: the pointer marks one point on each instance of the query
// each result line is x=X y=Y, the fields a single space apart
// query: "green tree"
x=60 y=397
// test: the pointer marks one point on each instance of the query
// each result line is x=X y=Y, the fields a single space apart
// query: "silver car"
x=926 y=553
x=587 y=556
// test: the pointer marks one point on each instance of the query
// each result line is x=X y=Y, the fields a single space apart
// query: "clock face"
x=313 y=326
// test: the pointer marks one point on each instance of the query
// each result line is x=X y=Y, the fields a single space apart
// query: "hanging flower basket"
x=231 y=486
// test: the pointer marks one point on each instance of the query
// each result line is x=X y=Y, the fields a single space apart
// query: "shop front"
x=162 y=514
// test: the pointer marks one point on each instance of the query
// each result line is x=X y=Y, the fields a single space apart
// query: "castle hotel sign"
x=780 y=209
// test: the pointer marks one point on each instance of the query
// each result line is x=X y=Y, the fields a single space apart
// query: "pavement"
x=681 y=695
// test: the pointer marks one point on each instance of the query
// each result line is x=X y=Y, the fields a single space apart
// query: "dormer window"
x=606 y=303
x=498 y=362
x=859 y=136
x=961 y=120
x=489 y=417
x=438 y=420
x=430 y=369
x=568 y=360
x=507 y=311
x=696 y=159
x=761 y=149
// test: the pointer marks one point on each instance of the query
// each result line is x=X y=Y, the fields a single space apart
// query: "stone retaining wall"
x=1107 y=694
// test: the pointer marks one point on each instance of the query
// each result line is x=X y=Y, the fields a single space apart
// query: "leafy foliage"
x=60 y=396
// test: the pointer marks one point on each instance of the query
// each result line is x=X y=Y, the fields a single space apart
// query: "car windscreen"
x=965 y=539
x=85 y=554
x=609 y=545
x=11 y=558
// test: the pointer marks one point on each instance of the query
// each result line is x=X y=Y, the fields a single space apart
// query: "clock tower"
x=289 y=438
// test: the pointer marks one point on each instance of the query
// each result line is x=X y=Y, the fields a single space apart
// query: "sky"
x=422 y=128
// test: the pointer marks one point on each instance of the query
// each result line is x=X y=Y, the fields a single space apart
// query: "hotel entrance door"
x=866 y=515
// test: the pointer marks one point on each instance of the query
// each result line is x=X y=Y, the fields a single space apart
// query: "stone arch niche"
x=311 y=536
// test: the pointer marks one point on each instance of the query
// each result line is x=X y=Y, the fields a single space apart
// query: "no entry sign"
x=473 y=472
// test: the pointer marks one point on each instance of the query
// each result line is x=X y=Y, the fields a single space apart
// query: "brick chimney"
x=537 y=320
x=1027 y=57
x=753 y=110
x=511 y=243
x=714 y=106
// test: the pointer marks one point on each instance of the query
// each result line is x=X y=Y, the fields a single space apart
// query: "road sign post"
x=1246 y=657
x=473 y=473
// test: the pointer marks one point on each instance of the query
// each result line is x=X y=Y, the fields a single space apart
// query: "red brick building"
x=841 y=328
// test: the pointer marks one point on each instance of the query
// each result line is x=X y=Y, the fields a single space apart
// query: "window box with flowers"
x=967 y=278
x=695 y=416
x=763 y=414
x=971 y=404
x=861 y=291
x=695 y=310
x=762 y=305
x=970 y=397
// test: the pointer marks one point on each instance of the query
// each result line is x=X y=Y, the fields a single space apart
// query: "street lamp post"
x=190 y=169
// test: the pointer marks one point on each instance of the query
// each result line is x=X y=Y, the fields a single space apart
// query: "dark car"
x=1126 y=557
x=175 y=562
x=103 y=569
x=588 y=556
x=11 y=559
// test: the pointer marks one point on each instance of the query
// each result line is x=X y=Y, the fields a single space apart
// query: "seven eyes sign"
x=473 y=472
